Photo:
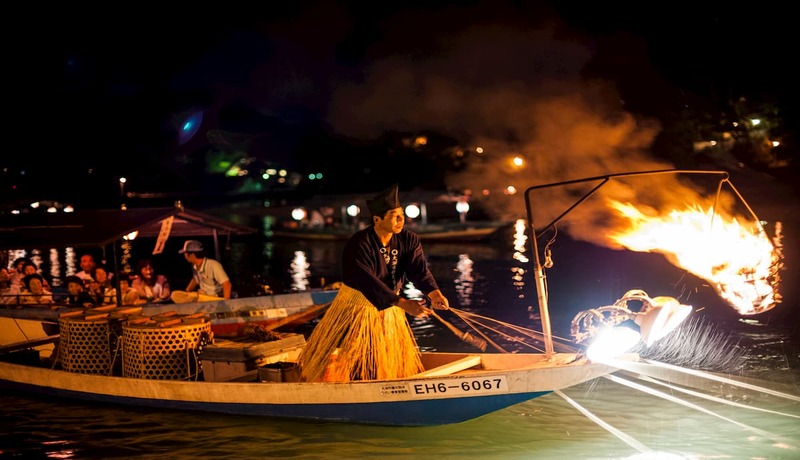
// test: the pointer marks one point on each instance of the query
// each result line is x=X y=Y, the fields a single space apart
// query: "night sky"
x=102 y=93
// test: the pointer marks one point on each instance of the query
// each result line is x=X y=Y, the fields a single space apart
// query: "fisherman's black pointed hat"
x=384 y=201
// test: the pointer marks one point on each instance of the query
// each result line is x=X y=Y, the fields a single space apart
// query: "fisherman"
x=365 y=330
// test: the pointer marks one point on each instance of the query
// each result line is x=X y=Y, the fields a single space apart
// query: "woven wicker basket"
x=162 y=353
x=84 y=346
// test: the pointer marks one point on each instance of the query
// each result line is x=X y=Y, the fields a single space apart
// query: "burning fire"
x=738 y=260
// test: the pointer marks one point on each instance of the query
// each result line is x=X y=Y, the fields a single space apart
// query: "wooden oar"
x=190 y=297
x=305 y=315
x=465 y=336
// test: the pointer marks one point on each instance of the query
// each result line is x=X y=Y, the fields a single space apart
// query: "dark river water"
x=601 y=419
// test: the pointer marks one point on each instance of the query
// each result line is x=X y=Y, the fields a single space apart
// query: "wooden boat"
x=202 y=374
x=454 y=231
x=454 y=388
x=171 y=362
x=239 y=377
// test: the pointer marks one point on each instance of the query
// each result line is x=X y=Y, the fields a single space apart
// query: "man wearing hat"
x=365 y=330
x=208 y=276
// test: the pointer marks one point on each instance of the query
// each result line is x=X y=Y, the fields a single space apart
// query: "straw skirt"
x=356 y=341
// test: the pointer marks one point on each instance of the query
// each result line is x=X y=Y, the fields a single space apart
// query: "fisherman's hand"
x=438 y=300
x=414 y=308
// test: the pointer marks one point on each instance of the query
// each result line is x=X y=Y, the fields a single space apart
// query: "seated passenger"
x=150 y=286
x=128 y=295
x=101 y=288
x=9 y=291
x=87 y=264
x=29 y=268
x=34 y=292
x=16 y=272
x=78 y=296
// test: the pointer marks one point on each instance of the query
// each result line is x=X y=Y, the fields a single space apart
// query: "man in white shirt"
x=208 y=276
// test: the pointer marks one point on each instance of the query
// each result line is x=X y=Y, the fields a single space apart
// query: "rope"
x=466 y=336
x=507 y=331
x=116 y=352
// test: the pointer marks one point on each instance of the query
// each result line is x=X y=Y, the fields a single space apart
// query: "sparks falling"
x=737 y=258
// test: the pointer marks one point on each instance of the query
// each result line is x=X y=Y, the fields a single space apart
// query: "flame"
x=737 y=259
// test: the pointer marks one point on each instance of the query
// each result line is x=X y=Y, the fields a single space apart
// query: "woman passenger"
x=35 y=292
x=151 y=287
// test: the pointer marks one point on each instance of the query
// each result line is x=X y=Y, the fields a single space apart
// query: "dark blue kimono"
x=379 y=273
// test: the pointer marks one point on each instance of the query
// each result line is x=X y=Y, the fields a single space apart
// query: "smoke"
x=509 y=89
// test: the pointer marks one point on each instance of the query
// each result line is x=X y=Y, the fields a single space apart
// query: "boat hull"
x=422 y=401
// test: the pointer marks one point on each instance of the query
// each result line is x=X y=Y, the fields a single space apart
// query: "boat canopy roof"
x=99 y=228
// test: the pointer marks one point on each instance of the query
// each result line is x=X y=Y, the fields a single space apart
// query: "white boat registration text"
x=466 y=386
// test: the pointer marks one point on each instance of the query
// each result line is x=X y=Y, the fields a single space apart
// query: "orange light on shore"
x=737 y=258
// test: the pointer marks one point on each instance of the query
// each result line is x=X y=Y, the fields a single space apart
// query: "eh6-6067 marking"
x=466 y=386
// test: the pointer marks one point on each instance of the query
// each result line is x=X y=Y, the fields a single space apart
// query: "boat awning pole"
x=115 y=280
x=216 y=244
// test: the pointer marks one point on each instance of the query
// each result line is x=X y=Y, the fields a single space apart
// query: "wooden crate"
x=241 y=350
x=234 y=359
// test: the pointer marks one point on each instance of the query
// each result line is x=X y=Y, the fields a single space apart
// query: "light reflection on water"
x=477 y=278
x=59 y=265
x=464 y=281
x=299 y=271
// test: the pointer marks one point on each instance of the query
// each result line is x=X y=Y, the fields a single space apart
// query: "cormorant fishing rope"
x=465 y=336
x=475 y=321
x=117 y=344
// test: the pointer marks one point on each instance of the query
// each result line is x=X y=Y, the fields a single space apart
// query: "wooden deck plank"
x=28 y=343
x=452 y=368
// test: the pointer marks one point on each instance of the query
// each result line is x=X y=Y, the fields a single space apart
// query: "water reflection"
x=518 y=272
x=36 y=258
x=15 y=254
x=464 y=281
x=71 y=261
x=55 y=265
x=412 y=292
x=53 y=269
x=300 y=271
